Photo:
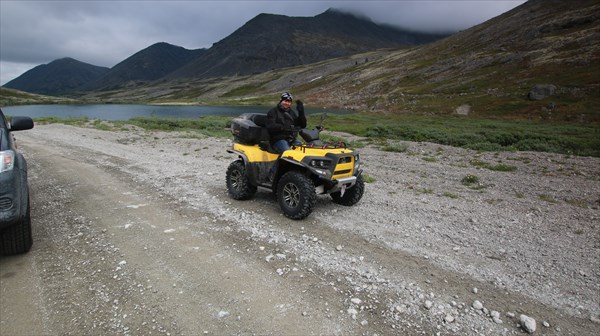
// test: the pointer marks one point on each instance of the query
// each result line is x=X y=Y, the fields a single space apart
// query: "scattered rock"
x=527 y=323
x=356 y=301
x=541 y=91
x=464 y=109
x=477 y=305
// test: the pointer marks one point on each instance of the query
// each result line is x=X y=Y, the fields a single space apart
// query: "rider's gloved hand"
x=289 y=129
x=300 y=106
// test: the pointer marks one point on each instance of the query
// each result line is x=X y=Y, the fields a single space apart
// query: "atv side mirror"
x=320 y=127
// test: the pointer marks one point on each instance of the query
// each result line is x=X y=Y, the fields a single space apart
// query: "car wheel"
x=17 y=239
x=296 y=195
x=352 y=195
x=238 y=184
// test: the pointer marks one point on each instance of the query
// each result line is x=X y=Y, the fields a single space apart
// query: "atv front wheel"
x=296 y=195
x=238 y=184
x=352 y=195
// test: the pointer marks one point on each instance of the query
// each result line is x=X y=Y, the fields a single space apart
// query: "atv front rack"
x=339 y=144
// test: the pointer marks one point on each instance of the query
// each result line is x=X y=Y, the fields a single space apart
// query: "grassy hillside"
x=11 y=97
x=488 y=70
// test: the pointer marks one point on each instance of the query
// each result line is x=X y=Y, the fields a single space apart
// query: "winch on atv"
x=298 y=174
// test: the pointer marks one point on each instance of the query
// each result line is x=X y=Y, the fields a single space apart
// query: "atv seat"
x=260 y=119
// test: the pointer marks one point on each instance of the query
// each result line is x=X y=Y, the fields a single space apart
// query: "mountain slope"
x=271 y=41
x=148 y=64
x=489 y=69
x=58 y=77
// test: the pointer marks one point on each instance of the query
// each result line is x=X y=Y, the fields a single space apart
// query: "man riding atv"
x=282 y=121
x=270 y=156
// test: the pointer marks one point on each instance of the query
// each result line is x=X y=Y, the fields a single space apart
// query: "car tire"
x=238 y=184
x=296 y=195
x=352 y=195
x=17 y=239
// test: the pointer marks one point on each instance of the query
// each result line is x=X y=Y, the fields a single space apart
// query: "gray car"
x=15 y=223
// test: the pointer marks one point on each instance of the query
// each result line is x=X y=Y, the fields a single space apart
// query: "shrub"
x=470 y=179
x=547 y=198
x=502 y=167
x=368 y=178
x=397 y=148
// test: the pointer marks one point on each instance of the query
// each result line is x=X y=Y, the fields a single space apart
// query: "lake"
x=126 y=111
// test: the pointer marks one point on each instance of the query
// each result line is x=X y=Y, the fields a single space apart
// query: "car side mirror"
x=21 y=123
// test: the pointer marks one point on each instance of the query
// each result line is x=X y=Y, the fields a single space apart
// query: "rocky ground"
x=135 y=234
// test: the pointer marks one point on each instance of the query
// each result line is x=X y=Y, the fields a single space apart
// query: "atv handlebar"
x=292 y=129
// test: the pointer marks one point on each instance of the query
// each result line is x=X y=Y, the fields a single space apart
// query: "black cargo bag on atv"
x=249 y=128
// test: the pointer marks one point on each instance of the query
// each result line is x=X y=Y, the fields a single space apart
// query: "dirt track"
x=134 y=233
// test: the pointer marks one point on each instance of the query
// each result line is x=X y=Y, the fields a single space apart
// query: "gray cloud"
x=104 y=33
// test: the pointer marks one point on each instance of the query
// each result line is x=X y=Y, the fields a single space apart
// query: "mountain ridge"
x=149 y=64
x=271 y=41
x=61 y=76
x=266 y=42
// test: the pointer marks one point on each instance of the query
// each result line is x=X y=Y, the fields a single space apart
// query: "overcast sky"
x=106 y=32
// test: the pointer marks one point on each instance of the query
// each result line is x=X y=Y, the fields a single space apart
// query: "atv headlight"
x=7 y=160
x=324 y=173
x=323 y=164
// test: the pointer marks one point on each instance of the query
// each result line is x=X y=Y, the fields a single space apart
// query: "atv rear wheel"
x=238 y=184
x=352 y=195
x=296 y=195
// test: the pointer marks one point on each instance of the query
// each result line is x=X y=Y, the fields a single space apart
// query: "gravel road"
x=134 y=234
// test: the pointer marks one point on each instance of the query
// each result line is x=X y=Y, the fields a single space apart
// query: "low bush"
x=473 y=133
x=470 y=179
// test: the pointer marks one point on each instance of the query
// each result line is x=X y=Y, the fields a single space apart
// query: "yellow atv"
x=297 y=175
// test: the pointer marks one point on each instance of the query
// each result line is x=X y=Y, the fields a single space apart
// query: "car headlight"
x=356 y=162
x=7 y=160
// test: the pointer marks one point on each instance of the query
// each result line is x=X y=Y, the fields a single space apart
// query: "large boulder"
x=541 y=91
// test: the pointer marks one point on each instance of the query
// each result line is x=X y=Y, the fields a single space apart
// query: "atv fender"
x=240 y=154
x=250 y=169
x=259 y=165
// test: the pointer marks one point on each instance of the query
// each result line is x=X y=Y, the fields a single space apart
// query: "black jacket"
x=281 y=123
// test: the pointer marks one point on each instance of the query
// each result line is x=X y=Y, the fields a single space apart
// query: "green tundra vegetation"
x=478 y=134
